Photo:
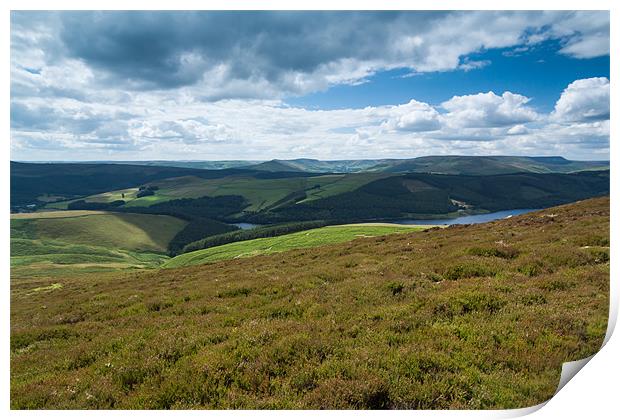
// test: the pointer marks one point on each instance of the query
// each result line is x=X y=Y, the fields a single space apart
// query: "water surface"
x=245 y=226
x=465 y=220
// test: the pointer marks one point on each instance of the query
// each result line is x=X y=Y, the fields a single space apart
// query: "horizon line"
x=301 y=158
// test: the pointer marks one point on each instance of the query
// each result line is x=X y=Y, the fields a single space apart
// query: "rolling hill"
x=467 y=317
x=271 y=183
x=44 y=244
x=260 y=193
x=194 y=164
x=357 y=196
x=304 y=239
x=425 y=195
x=39 y=183
x=452 y=165
x=210 y=200
x=277 y=166
x=467 y=165
x=319 y=166
x=32 y=181
x=491 y=165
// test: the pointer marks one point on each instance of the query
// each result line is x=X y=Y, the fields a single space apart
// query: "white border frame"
x=591 y=393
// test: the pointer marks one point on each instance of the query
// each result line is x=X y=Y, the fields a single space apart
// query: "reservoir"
x=246 y=225
x=465 y=220
x=461 y=220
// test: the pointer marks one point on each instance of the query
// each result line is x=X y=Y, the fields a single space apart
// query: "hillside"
x=194 y=164
x=276 y=165
x=478 y=316
x=51 y=243
x=260 y=193
x=38 y=183
x=403 y=196
x=298 y=240
x=490 y=165
x=452 y=165
x=324 y=166
x=277 y=198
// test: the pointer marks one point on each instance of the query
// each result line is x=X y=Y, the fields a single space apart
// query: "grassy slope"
x=261 y=193
x=492 y=165
x=337 y=184
x=478 y=316
x=138 y=232
x=57 y=259
x=445 y=164
x=72 y=180
x=305 y=239
x=54 y=214
x=88 y=241
x=276 y=166
x=127 y=194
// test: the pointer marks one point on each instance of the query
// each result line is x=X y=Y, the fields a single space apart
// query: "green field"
x=53 y=214
x=44 y=244
x=65 y=242
x=138 y=232
x=329 y=185
x=260 y=193
x=305 y=239
x=466 y=317
x=56 y=259
x=127 y=194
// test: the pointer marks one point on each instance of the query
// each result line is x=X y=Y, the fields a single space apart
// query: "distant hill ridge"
x=272 y=183
x=450 y=164
x=447 y=164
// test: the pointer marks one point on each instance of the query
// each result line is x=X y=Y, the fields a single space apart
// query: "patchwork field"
x=260 y=193
x=478 y=316
x=330 y=185
x=305 y=239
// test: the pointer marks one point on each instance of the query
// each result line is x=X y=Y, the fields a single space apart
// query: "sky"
x=150 y=85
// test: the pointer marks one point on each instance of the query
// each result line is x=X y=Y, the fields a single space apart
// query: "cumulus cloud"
x=517 y=130
x=271 y=54
x=414 y=116
x=488 y=110
x=215 y=85
x=468 y=64
x=156 y=125
x=585 y=34
x=584 y=100
x=190 y=131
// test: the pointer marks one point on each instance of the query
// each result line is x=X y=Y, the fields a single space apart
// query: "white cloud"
x=585 y=33
x=188 y=131
x=271 y=55
x=488 y=110
x=468 y=64
x=583 y=100
x=414 y=116
x=517 y=130
x=215 y=91
x=156 y=125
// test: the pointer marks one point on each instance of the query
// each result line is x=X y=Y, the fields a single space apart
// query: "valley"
x=309 y=209
x=470 y=316
x=133 y=286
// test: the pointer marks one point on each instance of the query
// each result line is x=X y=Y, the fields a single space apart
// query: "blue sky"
x=209 y=85
x=539 y=73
